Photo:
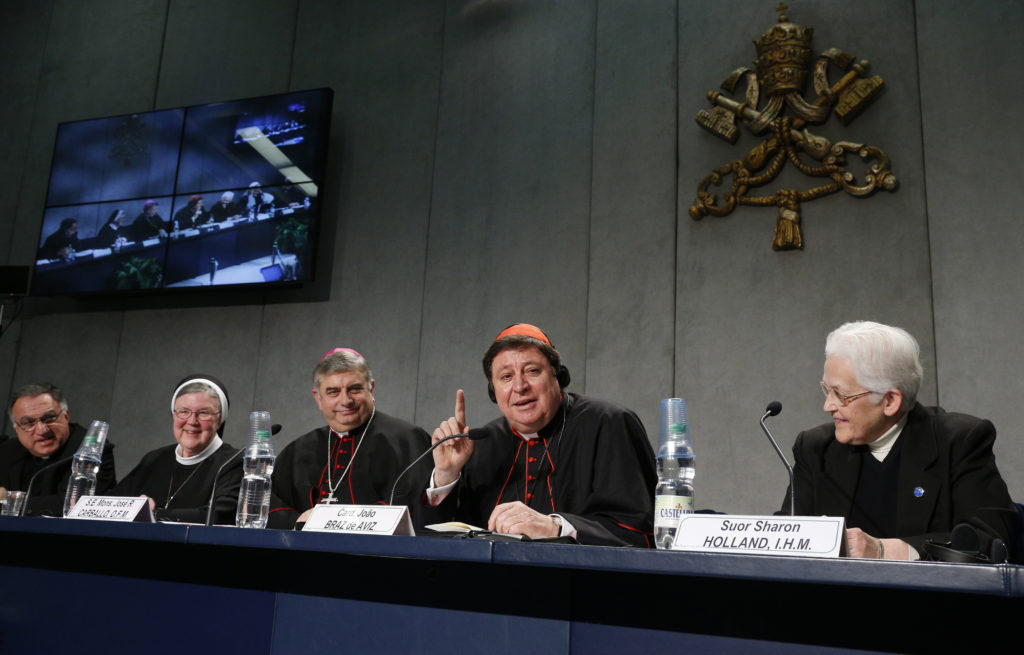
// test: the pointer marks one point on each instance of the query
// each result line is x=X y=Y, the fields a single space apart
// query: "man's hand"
x=861 y=544
x=451 y=456
x=517 y=518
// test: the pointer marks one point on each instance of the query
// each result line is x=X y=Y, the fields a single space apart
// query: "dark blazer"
x=17 y=466
x=947 y=476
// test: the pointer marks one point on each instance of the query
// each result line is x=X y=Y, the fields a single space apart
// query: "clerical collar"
x=210 y=449
x=881 y=446
x=354 y=432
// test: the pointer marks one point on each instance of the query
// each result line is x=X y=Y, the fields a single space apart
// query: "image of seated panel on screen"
x=102 y=247
x=247 y=236
x=212 y=195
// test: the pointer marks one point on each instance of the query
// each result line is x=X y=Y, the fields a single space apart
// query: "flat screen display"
x=204 y=196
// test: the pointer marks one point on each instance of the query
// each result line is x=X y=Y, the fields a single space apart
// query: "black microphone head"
x=476 y=434
x=773 y=408
x=964 y=538
x=275 y=428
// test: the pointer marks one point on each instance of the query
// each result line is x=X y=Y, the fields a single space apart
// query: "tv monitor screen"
x=210 y=195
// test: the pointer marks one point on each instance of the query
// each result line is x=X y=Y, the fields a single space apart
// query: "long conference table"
x=99 y=587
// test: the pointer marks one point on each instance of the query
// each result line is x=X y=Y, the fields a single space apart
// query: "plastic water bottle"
x=86 y=465
x=254 y=495
x=673 y=496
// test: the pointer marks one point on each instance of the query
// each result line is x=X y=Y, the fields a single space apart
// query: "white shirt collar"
x=881 y=446
x=210 y=449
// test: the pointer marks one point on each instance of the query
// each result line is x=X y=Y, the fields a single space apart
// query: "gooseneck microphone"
x=773 y=409
x=32 y=480
x=274 y=429
x=476 y=434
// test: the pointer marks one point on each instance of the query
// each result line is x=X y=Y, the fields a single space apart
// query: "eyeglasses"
x=49 y=418
x=185 y=414
x=840 y=398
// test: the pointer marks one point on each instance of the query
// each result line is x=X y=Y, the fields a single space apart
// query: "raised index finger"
x=460 y=409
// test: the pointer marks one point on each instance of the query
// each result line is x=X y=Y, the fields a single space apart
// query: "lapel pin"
x=918 y=492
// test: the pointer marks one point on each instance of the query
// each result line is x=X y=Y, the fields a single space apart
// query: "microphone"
x=964 y=546
x=476 y=434
x=773 y=409
x=965 y=539
x=32 y=480
x=274 y=429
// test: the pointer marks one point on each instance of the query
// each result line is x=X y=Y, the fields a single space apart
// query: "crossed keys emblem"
x=783 y=63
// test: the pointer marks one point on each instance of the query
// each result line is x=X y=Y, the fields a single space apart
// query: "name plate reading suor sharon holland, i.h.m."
x=360 y=519
x=112 y=508
x=804 y=536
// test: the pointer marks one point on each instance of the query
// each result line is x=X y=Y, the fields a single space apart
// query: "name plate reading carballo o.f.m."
x=803 y=536
x=360 y=519
x=112 y=508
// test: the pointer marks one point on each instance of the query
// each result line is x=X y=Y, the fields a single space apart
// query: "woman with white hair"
x=225 y=207
x=902 y=474
x=179 y=479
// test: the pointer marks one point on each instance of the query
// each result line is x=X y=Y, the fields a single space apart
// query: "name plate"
x=112 y=508
x=803 y=536
x=360 y=519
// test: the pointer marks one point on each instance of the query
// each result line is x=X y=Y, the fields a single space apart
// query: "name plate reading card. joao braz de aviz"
x=803 y=536
x=360 y=519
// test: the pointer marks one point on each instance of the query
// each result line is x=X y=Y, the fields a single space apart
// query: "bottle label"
x=263 y=435
x=669 y=509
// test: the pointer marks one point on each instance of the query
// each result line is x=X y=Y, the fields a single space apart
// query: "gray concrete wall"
x=495 y=161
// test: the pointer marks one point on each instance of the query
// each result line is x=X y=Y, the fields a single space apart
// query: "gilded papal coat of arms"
x=774 y=105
